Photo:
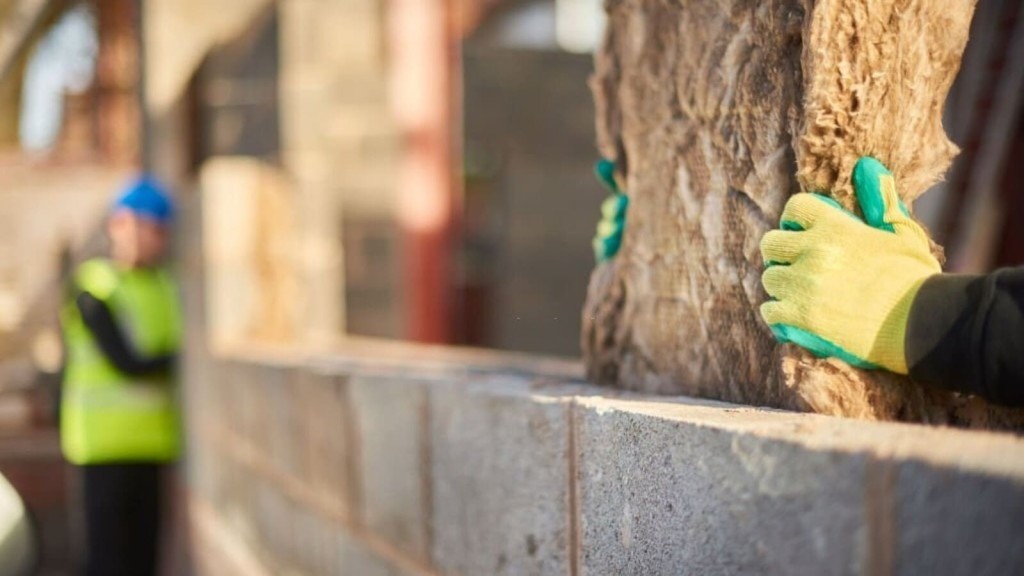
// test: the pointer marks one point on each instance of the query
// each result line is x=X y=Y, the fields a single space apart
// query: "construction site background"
x=353 y=169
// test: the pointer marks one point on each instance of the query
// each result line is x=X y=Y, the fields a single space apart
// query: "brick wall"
x=395 y=459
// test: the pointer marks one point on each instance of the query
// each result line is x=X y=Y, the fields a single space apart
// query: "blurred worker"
x=119 y=416
x=871 y=293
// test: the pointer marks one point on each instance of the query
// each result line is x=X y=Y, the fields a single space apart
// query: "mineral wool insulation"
x=718 y=111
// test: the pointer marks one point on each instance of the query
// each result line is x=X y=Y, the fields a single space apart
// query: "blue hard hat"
x=146 y=197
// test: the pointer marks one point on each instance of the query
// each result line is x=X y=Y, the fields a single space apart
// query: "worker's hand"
x=613 y=215
x=841 y=287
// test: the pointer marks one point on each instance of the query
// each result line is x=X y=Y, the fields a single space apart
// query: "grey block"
x=276 y=423
x=223 y=481
x=952 y=522
x=236 y=498
x=326 y=552
x=224 y=410
x=203 y=467
x=340 y=553
x=245 y=397
x=354 y=559
x=268 y=521
x=500 y=479
x=390 y=417
x=277 y=524
x=196 y=384
x=261 y=510
x=666 y=496
x=305 y=555
x=326 y=429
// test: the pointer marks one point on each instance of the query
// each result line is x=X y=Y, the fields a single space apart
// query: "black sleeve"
x=966 y=334
x=112 y=342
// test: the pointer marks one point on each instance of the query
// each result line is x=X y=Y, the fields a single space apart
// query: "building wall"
x=44 y=210
x=400 y=459
x=338 y=144
x=272 y=96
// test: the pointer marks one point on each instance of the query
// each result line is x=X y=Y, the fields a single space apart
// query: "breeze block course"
x=402 y=459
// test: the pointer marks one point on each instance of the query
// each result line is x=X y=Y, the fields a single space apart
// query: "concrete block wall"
x=400 y=460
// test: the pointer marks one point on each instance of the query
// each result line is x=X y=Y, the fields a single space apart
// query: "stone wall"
x=395 y=459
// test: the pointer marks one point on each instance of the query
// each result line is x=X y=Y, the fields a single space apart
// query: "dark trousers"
x=122 y=518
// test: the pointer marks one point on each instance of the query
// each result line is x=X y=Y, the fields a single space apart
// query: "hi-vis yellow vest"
x=106 y=415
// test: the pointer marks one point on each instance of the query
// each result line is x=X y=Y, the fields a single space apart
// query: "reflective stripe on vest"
x=108 y=416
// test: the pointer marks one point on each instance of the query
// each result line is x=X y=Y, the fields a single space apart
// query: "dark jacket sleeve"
x=112 y=341
x=966 y=334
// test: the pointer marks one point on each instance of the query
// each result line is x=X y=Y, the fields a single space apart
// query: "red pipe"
x=422 y=63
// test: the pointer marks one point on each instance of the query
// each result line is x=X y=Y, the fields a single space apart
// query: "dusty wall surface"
x=717 y=113
x=388 y=459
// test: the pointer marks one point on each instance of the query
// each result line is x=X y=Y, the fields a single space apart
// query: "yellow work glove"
x=612 y=225
x=841 y=286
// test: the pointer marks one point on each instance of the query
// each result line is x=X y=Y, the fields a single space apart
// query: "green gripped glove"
x=610 y=228
x=841 y=286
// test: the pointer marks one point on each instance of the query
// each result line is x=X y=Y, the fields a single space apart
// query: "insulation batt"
x=717 y=111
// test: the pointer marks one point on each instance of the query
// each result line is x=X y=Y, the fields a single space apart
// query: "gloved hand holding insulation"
x=841 y=286
x=610 y=228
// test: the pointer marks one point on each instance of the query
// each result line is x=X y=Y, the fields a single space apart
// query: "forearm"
x=114 y=344
x=966 y=334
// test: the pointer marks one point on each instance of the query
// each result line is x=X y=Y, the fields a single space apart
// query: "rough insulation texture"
x=712 y=109
x=876 y=77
